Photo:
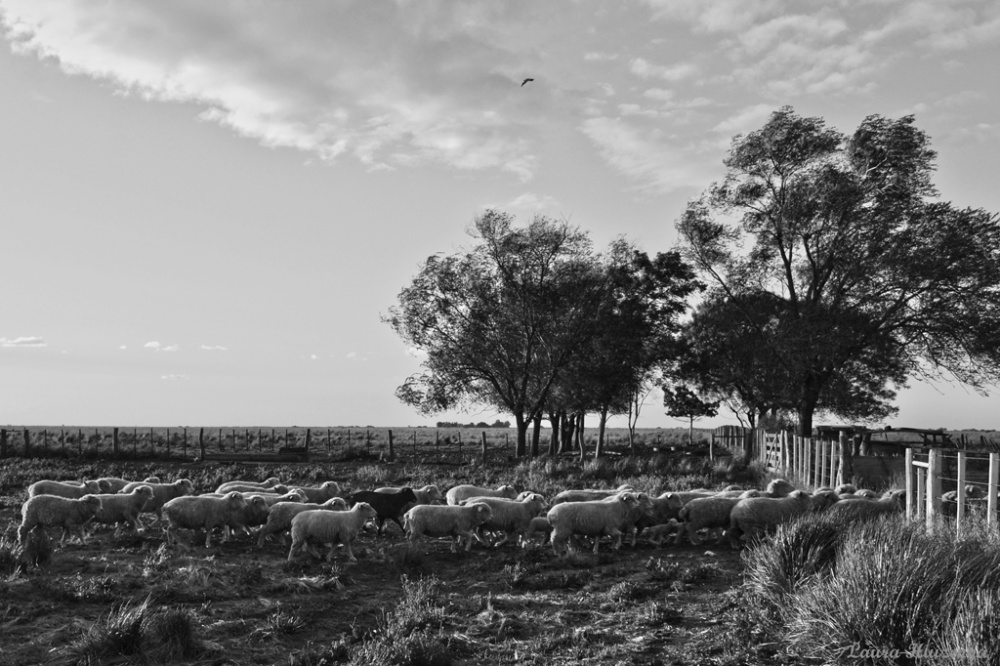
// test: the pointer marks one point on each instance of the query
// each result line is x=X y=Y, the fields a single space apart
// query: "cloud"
x=649 y=156
x=745 y=120
x=647 y=70
x=173 y=377
x=156 y=346
x=30 y=341
x=396 y=84
x=533 y=202
x=213 y=348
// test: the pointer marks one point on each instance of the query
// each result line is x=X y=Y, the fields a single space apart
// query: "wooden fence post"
x=484 y=447
x=114 y=442
x=3 y=443
x=960 y=508
x=991 y=497
x=911 y=500
x=846 y=471
x=392 y=452
x=27 y=443
x=201 y=442
x=933 y=487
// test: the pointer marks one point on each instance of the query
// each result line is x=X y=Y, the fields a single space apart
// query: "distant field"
x=334 y=442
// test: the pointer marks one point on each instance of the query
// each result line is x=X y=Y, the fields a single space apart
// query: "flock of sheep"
x=324 y=515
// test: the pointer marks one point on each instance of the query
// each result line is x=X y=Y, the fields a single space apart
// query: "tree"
x=501 y=322
x=683 y=403
x=877 y=281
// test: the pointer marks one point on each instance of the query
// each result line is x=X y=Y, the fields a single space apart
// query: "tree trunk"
x=569 y=428
x=536 y=431
x=522 y=435
x=599 y=451
x=554 y=437
x=691 y=431
x=579 y=438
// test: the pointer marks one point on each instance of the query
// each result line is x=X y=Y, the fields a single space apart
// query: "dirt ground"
x=639 y=605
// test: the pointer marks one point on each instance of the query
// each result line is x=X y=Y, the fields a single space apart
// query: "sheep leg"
x=347 y=548
x=693 y=535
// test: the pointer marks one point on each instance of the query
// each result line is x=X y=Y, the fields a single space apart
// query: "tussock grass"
x=880 y=588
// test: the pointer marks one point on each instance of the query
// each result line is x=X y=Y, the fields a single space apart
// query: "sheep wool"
x=447 y=521
x=199 y=512
x=457 y=494
x=66 y=489
x=512 y=517
x=43 y=511
x=329 y=528
x=279 y=518
x=594 y=518
x=123 y=507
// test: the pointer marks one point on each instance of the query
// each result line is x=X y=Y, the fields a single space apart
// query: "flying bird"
x=525 y=81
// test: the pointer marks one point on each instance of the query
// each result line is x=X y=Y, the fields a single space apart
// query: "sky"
x=208 y=207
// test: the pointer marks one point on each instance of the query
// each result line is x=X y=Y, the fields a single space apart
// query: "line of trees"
x=819 y=276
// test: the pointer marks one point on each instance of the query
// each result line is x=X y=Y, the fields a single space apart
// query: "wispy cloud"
x=213 y=348
x=156 y=346
x=30 y=341
x=391 y=84
x=173 y=377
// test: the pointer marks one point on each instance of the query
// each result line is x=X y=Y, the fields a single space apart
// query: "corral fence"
x=946 y=478
x=443 y=445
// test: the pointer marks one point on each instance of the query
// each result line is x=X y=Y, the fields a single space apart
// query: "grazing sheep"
x=456 y=495
x=949 y=500
x=279 y=518
x=199 y=512
x=123 y=507
x=845 y=489
x=67 y=489
x=321 y=493
x=43 y=511
x=711 y=513
x=162 y=493
x=512 y=517
x=537 y=525
x=330 y=528
x=663 y=508
x=758 y=514
x=686 y=496
x=429 y=494
x=388 y=506
x=589 y=494
x=778 y=488
x=251 y=488
x=594 y=518
x=657 y=534
x=267 y=483
x=894 y=501
x=112 y=484
x=270 y=499
x=449 y=520
x=253 y=515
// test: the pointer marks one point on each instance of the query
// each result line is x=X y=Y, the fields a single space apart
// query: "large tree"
x=500 y=322
x=878 y=281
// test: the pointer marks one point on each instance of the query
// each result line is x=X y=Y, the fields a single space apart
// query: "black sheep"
x=388 y=505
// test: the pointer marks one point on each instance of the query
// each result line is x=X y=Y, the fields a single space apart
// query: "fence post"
x=114 y=442
x=27 y=443
x=414 y=443
x=960 y=508
x=846 y=471
x=991 y=497
x=911 y=500
x=3 y=443
x=392 y=452
x=185 y=445
x=201 y=442
x=933 y=486
x=484 y=447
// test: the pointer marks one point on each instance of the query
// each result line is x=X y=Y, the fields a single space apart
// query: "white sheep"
x=594 y=518
x=270 y=499
x=321 y=493
x=846 y=489
x=457 y=494
x=114 y=484
x=892 y=502
x=449 y=520
x=663 y=509
x=162 y=493
x=330 y=528
x=199 y=512
x=279 y=518
x=43 y=511
x=253 y=515
x=686 y=496
x=537 y=525
x=758 y=514
x=67 y=489
x=949 y=501
x=123 y=507
x=657 y=534
x=269 y=482
x=589 y=494
x=711 y=513
x=512 y=517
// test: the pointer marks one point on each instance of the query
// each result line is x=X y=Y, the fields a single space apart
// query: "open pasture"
x=129 y=598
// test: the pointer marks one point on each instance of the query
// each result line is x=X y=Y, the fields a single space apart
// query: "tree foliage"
x=865 y=278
